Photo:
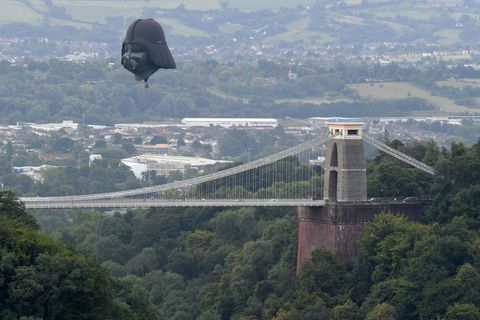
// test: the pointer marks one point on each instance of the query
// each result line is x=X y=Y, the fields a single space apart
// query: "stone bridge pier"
x=337 y=226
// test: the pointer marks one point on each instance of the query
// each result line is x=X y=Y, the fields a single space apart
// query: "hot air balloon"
x=145 y=50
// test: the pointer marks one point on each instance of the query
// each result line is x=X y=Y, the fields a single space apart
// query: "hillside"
x=443 y=23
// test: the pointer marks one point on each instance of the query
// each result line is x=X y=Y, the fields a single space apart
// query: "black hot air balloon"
x=144 y=49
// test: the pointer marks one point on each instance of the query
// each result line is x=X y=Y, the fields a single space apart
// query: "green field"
x=104 y=6
x=412 y=13
x=182 y=29
x=38 y=5
x=229 y=28
x=298 y=30
x=403 y=90
x=267 y=4
x=125 y=5
x=460 y=83
x=224 y=95
x=15 y=11
x=343 y=18
x=97 y=11
x=448 y=36
x=61 y=22
x=312 y=100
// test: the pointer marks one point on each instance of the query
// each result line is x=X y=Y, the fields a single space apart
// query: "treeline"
x=104 y=93
x=240 y=263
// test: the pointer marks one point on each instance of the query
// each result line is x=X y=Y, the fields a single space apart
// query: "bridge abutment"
x=337 y=226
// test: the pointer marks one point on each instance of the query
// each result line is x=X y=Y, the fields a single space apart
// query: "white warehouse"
x=164 y=164
x=260 y=123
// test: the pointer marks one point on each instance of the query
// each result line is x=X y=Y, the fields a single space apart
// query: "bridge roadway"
x=147 y=203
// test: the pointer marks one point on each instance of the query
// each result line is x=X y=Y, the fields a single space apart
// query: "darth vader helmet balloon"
x=144 y=49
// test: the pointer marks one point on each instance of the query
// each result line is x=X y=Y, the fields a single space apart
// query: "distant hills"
x=442 y=23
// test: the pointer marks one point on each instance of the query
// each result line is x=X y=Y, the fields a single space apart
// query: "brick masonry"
x=338 y=225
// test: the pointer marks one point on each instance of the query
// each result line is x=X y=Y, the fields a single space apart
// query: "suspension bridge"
x=292 y=177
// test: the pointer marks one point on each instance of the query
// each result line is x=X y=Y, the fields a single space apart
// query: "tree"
x=129 y=147
x=468 y=283
x=63 y=145
x=9 y=151
x=158 y=140
x=100 y=144
x=462 y=312
x=382 y=311
x=180 y=142
x=347 y=311
x=322 y=275
x=235 y=142
x=43 y=279
x=12 y=208
x=400 y=293
x=117 y=138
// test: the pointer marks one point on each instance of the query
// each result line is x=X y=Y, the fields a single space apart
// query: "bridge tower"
x=337 y=226
x=345 y=169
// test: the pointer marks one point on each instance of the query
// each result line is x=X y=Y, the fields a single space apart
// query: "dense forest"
x=41 y=278
x=240 y=263
x=102 y=93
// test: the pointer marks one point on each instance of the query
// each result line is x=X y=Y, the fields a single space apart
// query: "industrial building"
x=161 y=148
x=164 y=164
x=259 y=123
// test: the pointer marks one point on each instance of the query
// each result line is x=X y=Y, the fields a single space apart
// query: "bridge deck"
x=147 y=203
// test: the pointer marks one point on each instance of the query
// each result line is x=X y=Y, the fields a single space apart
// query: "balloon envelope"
x=145 y=50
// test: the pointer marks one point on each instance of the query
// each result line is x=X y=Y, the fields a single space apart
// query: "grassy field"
x=15 y=11
x=224 y=95
x=267 y=4
x=448 y=36
x=72 y=5
x=61 y=22
x=412 y=13
x=402 y=90
x=97 y=11
x=343 y=18
x=182 y=29
x=39 y=5
x=398 y=27
x=229 y=28
x=312 y=100
x=460 y=84
x=298 y=30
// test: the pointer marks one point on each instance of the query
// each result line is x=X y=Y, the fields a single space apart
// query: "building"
x=161 y=148
x=259 y=123
x=93 y=157
x=140 y=127
x=67 y=125
x=164 y=164
x=36 y=173
x=323 y=121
